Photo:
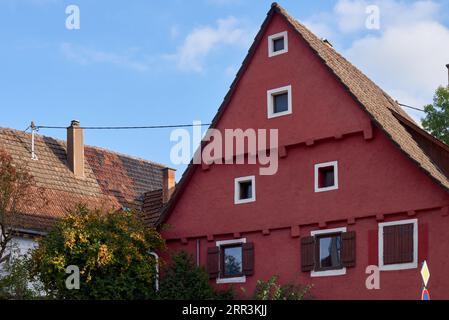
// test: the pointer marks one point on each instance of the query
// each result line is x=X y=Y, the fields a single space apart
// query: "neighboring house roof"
x=112 y=180
x=378 y=104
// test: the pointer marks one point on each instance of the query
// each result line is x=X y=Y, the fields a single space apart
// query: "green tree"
x=18 y=192
x=183 y=280
x=16 y=283
x=111 y=251
x=437 y=115
x=271 y=290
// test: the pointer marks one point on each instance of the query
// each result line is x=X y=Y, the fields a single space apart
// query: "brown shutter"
x=398 y=244
x=248 y=259
x=307 y=254
x=348 y=249
x=213 y=260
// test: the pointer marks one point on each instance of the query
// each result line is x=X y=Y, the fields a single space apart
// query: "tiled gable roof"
x=380 y=106
x=377 y=103
x=111 y=181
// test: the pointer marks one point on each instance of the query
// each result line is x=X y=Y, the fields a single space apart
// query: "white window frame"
x=270 y=101
x=398 y=266
x=241 y=279
x=237 y=182
x=317 y=176
x=271 y=52
x=328 y=273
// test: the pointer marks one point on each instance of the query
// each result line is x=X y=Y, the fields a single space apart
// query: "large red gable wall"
x=375 y=177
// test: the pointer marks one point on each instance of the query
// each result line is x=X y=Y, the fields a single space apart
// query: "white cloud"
x=85 y=56
x=203 y=40
x=406 y=57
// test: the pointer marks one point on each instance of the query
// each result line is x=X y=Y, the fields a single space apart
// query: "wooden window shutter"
x=307 y=254
x=398 y=244
x=213 y=261
x=248 y=258
x=348 y=249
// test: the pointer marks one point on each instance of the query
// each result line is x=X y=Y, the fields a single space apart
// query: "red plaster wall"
x=375 y=177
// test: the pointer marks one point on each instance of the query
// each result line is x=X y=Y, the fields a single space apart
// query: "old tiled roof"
x=152 y=206
x=377 y=103
x=112 y=180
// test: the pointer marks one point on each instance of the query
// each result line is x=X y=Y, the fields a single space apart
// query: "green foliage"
x=183 y=280
x=112 y=253
x=16 y=282
x=271 y=290
x=437 y=115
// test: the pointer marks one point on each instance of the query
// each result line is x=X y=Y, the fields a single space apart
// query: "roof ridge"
x=64 y=142
x=382 y=116
x=393 y=103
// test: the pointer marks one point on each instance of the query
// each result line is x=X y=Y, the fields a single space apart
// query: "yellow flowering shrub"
x=111 y=250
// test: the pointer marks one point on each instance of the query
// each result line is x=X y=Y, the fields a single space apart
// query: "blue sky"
x=168 y=62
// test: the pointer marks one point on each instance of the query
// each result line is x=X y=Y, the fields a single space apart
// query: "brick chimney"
x=168 y=183
x=75 y=149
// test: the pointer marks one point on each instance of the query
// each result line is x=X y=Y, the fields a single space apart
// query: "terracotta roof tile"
x=111 y=181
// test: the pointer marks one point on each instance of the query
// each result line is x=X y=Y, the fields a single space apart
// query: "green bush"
x=16 y=282
x=111 y=251
x=183 y=280
x=271 y=290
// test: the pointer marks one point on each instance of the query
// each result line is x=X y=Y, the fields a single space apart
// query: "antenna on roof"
x=33 y=131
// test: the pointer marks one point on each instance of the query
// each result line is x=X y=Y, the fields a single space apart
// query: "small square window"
x=277 y=44
x=326 y=176
x=232 y=261
x=245 y=190
x=279 y=102
x=329 y=251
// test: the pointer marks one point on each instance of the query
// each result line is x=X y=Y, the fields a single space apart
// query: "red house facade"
x=358 y=182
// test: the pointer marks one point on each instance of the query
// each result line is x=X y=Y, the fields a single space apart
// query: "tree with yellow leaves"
x=111 y=250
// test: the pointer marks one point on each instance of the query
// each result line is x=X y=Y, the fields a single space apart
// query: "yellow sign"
x=425 y=273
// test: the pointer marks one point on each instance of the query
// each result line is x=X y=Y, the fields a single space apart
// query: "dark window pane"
x=278 y=44
x=327 y=177
x=329 y=252
x=280 y=103
x=232 y=261
x=246 y=190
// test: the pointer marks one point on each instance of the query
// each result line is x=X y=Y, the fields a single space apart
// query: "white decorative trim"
x=241 y=279
x=328 y=273
x=317 y=176
x=228 y=242
x=270 y=101
x=231 y=280
x=237 y=182
x=399 y=266
x=271 y=52
x=327 y=231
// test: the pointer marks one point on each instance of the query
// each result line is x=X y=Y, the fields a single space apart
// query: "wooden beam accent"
x=295 y=232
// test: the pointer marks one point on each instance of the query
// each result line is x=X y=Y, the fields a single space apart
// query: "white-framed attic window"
x=277 y=44
x=326 y=176
x=279 y=102
x=245 y=190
